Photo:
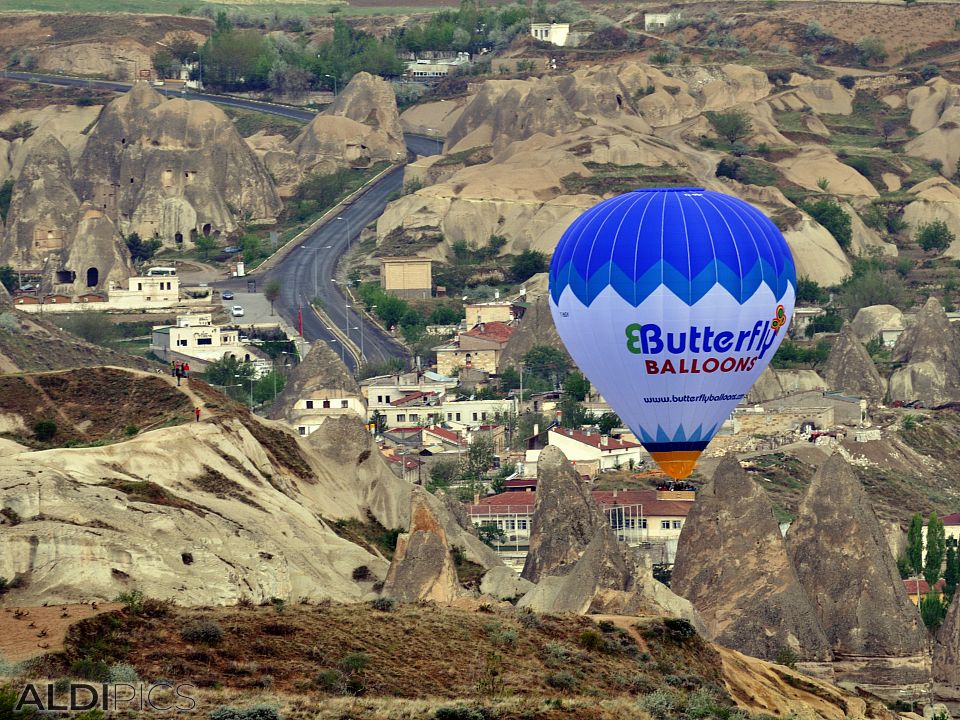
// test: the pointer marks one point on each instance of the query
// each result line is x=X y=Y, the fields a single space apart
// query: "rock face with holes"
x=565 y=518
x=361 y=128
x=850 y=369
x=732 y=564
x=929 y=353
x=423 y=567
x=845 y=566
x=323 y=381
x=172 y=169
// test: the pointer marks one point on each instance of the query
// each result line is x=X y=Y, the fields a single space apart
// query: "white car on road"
x=237 y=311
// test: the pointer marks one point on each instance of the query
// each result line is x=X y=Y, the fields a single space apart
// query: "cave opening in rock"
x=66 y=276
x=178 y=238
x=206 y=229
x=93 y=277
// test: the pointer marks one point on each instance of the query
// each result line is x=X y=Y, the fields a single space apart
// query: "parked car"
x=226 y=295
x=237 y=311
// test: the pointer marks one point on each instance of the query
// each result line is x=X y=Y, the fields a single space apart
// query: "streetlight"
x=330 y=330
x=334 y=82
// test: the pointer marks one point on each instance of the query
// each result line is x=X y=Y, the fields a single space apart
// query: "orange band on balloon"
x=678 y=464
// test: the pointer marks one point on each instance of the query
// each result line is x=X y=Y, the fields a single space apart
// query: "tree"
x=287 y=79
x=935 y=235
x=951 y=575
x=8 y=278
x=442 y=475
x=808 y=291
x=936 y=549
x=932 y=610
x=887 y=128
x=577 y=386
x=608 y=422
x=204 y=244
x=94 y=327
x=44 y=430
x=732 y=125
x=165 y=63
x=527 y=264
x=871 y=50
x=572 y=413
x=445 y=315
x=546 y=361
x=828 y=213
x=491 y=535
x=227 y=371
x=182 y=46
x=915 y=544
x=478 y=459
x=6 y=195
x=141 y=251
x=271 y=291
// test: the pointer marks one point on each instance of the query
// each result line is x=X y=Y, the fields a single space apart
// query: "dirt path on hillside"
x=31 y=631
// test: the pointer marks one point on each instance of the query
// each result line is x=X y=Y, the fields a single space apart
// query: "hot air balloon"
x=672 y=302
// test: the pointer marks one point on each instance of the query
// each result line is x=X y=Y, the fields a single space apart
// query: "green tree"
x=165 y=64
x=445 y=315
x=391 y=310
x=903 y=566
x=871 y=287
x=237 y=59
x=808 y=291
x=141 y=251
x=271 y=291
x=527 y=264
x=8 y=278
x=182 y=46
x=268 y=386
x=951 y=575
x=932 y=610
x=205 y=244
x=935 y=235
x=915 y=544
x=92 y=326
x=936 y=549
x=228 y=371
x=731 y=125
x=828 y=213
x=608 y=421
x=871 y=50
x=478 y=459
x=577 y=386
x=546 y=361
x=572 y=413
x=6 y=194
x=442 y=475
x=491 y=535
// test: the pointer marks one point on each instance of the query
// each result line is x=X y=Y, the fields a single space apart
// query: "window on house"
x=182 y=343
x=139 y=286
x=521 y=524
x=511 y=525
x=643 y=523
x=326 y=404
x=483 y=416
x=414 y=417
x=344 y=404
x=204 y=341
x=458 y=417
x=664 y=524
x=449 y=416
x=677 y=524
x=379 y=398
x=309 y=404
x=302 y=430
x=474 y=416
x=401 y=417
x=387 y=400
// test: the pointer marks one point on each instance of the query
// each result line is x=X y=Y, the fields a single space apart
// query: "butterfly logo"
x=779 y=319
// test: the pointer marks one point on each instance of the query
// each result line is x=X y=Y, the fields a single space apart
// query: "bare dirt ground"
x=28 y=632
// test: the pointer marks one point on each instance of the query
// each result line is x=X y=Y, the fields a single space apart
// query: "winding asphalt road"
x=307 y=271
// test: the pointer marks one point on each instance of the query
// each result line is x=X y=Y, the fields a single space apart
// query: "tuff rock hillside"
x=850 y=369
x=929 y=351
x=732 y=564
x=322 y=373
x=845 y=567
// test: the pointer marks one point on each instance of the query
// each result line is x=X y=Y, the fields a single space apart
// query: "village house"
x=951 y=531
x=502 y=311
x=654 y=22
x=196 y=340
x=310 y=412
x=478 y=348
x=411 y=398
x=406 y=277
x=646 y=519
x=593 y=452
x=553 y=33
x=471 y=412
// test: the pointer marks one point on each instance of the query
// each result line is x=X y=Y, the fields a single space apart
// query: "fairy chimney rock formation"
x=423 y=567
x=849 y=368
x=732 y=564
x=565 y=518
x=172 y=169
x=946 y=655
x=362 y=127
x=930 y=353
x=844 y=564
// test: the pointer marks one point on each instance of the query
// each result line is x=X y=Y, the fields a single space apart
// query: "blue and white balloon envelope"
x=672 y=302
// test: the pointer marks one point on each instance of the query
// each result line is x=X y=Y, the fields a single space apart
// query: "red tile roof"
x=408 y=462
x=651 y=506
x=951 y=519
x=911 y=586
x=411 y=397
x=495 y=331
x=445 y=434
x=594 y=439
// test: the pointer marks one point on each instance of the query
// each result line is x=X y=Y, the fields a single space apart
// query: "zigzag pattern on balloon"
x=679 y=437
x=689 y=290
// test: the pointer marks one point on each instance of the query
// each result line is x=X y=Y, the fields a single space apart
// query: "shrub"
x=361 y=573
x=679 y=628
x=732 y=125
x=123 y=673
x=529 y=619
x=928 y=72
x=461 y=712
x=86 y=669
x=354 y=662
x=847 y=81
x=383 y=604
x=254 y=712
x=206 y=632
x=703 y=704
x=828 y=213
x=555 y=653
x=786 y=656
x=131 y=430
x=44 y=430
x=561 y=680
x=592 y=640
x=934 y=236
x=132 y=601
x=329 y=680
x=662 y=704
